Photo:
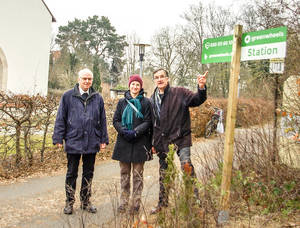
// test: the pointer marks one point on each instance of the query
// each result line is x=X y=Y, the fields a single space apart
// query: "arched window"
x=3 y=71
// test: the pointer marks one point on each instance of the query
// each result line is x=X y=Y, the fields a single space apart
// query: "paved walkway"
x=38 y=202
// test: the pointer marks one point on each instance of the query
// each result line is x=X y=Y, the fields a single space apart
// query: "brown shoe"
x=89 y=208
x=68 y=210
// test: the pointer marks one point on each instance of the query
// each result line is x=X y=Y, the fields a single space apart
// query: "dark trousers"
x=88 y=163
x=185 y=159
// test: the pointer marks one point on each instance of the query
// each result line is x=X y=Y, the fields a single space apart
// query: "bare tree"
x=220 y=20
x=164 y=51
x=195 y=18
x=131 y=53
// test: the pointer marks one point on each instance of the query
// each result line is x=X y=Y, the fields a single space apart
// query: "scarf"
x=157 y=99
x=127 y=116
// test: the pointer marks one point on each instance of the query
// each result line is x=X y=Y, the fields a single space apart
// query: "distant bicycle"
x=215 y=124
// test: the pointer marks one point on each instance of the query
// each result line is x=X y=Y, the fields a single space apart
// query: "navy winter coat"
x=82 y=124
x=140 y=149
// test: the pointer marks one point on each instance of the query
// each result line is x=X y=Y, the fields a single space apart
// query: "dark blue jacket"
x=82 y=124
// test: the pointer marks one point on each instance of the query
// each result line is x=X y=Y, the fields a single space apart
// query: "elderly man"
x=172 y=125
x=81 y=123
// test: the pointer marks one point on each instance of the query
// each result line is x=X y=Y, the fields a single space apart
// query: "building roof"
x=53 y=18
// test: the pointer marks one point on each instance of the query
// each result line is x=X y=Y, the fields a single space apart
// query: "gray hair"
x=84 y=72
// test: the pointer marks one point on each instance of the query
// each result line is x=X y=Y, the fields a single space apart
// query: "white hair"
x=84 y=72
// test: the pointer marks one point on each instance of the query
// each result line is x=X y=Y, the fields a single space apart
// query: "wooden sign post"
x=264 y=44
x=230 y=124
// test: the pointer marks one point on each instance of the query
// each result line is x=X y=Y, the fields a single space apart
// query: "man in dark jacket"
x=172 y=124
x=81 y=123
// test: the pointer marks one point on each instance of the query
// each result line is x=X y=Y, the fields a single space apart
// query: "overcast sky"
x=143 y=17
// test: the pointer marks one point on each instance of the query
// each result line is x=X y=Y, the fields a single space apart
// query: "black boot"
x=68 y=210
x=88 y=207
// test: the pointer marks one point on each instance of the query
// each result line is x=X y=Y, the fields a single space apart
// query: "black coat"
x=140 y=149
x=82 y=124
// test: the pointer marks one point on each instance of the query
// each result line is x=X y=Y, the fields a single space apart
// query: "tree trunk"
x=44 y=139
x=18 y=149
x=28 y=151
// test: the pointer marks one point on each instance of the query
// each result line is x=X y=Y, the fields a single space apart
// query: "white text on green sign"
x=216 y=50
x=264 y=44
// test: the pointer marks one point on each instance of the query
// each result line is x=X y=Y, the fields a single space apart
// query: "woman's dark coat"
x=174 y=124
x=82 y=124
x=140 y=149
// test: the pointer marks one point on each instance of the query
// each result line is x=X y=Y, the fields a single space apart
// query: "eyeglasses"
x=84 y=79
x=159 y=77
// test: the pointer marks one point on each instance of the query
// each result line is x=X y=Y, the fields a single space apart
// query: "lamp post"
x=141 y=54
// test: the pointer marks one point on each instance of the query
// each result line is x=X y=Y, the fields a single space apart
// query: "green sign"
x=264 y=44
x=217 y=50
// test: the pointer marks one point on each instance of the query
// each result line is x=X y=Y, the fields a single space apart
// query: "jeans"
x=185 y=158
x=88 y=162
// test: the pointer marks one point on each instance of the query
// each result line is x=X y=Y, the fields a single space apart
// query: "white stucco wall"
x=25 y=36
x=289 y=146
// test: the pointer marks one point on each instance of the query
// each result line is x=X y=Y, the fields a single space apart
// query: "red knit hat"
x=137 y=78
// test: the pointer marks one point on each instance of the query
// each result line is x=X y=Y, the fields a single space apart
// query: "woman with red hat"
x=132 y=120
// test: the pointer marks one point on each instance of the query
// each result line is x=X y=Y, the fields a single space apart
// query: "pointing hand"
x=202 y=80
